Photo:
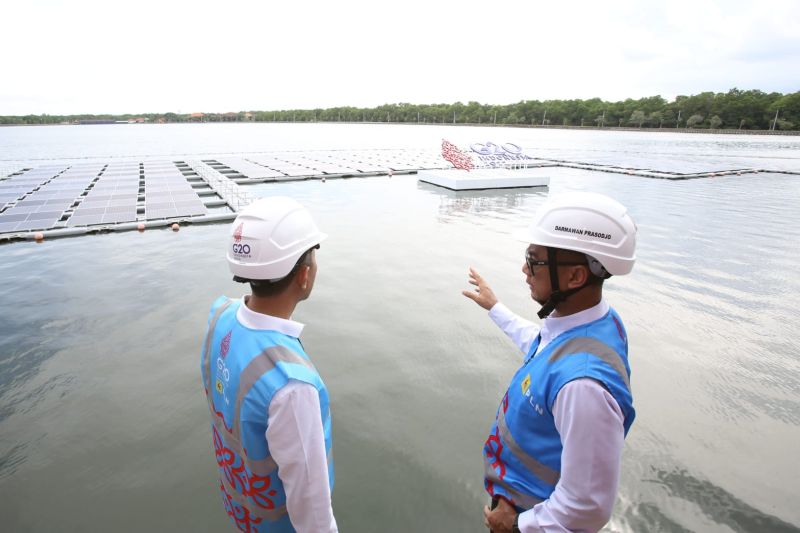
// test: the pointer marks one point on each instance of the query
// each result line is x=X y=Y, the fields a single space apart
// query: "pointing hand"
x=482 y=294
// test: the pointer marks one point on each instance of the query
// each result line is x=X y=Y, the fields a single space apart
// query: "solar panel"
x=6 y=227
x=6 y=218
x=85 y=220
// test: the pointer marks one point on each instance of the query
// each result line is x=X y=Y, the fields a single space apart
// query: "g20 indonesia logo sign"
x=482 y=155
x=493 y=155
x=490 y=148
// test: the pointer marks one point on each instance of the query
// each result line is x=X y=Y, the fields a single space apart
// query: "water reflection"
x=719 y=505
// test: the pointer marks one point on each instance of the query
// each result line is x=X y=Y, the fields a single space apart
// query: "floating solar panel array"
x=25 y=182
x=322 y=163
x=330 y=164
x=167 y=192
x=61 y=200
x=45 y=206
x=287 y=164
x=246 y=168
x=112 y=199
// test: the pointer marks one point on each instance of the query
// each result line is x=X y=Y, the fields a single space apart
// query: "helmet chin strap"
x=556 y=295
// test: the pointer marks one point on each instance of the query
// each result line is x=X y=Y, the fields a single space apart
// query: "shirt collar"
x=253 y=320
x=555 y=326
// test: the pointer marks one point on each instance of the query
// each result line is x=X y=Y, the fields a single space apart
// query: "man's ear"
x=301 y=278
x=578 y=276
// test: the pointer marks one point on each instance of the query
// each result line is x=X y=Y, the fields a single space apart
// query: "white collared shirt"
x=590 y=424
x=296 y=439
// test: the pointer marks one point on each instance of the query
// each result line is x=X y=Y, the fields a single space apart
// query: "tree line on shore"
x=736 y=109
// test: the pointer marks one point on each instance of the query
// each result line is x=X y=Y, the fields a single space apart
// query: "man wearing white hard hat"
x=270 y=413
x=552 y=458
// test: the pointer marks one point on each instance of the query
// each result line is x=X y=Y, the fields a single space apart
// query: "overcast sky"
x=101 y=56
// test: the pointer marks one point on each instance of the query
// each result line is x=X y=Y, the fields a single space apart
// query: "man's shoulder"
x=221 y=300
x=217 y=306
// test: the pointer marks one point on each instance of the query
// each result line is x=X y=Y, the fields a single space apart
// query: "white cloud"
x=146 y=56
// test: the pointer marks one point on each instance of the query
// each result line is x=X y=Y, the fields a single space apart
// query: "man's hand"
x=501 y=519
x=482 y=294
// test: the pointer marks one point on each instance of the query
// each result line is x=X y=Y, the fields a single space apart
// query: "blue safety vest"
x=522 y=456
x=242 y=370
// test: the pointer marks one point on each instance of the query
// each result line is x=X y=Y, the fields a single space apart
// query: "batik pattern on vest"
x=522 y=455
x=242 y=370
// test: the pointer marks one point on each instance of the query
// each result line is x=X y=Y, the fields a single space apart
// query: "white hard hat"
x=586 y=222
x=269 y=236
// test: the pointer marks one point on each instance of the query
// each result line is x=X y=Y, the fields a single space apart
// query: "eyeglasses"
x=531 y=262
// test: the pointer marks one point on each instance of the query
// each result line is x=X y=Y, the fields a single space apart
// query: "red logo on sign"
x=458 y=158
x=225 y=345
x=237 y=233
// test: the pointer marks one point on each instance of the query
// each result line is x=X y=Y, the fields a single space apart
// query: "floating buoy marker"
x=140 y=227
x=38 y=236
x=176 y=227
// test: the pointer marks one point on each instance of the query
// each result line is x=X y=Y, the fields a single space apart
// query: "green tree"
x=694 y=120
x=656 y=118
x=637 y=117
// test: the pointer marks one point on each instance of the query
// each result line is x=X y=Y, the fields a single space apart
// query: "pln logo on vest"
x=526 y=385
x=536 y=407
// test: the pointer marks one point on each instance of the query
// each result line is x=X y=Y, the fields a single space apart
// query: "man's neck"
x=278 y=306
x=576 y=303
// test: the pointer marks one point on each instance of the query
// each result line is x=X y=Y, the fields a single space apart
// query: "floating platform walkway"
x=66 y=200
x=54 y=200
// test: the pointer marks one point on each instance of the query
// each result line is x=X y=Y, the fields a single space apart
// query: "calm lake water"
x=103 y=421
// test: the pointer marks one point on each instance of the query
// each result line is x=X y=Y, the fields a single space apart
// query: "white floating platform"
x=482 y=178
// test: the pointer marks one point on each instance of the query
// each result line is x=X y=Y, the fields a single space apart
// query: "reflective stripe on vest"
x=595 y=347
x=542 y=471
x=247 y=494
x=525 y=501
x=514 y=471
x=260 y=365
x=260 y=467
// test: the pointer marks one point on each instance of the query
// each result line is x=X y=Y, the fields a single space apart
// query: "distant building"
x=196 y=117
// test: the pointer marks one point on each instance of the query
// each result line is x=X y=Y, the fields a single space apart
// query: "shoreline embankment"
x=706 y=131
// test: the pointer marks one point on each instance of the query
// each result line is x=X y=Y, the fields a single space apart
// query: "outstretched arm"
x=522 y=332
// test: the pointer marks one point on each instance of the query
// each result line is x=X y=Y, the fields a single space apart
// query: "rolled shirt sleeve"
x=590 y=423
x=297 y=444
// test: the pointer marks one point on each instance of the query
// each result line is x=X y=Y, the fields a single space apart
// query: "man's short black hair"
x=575 y=255
x=265 y=288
